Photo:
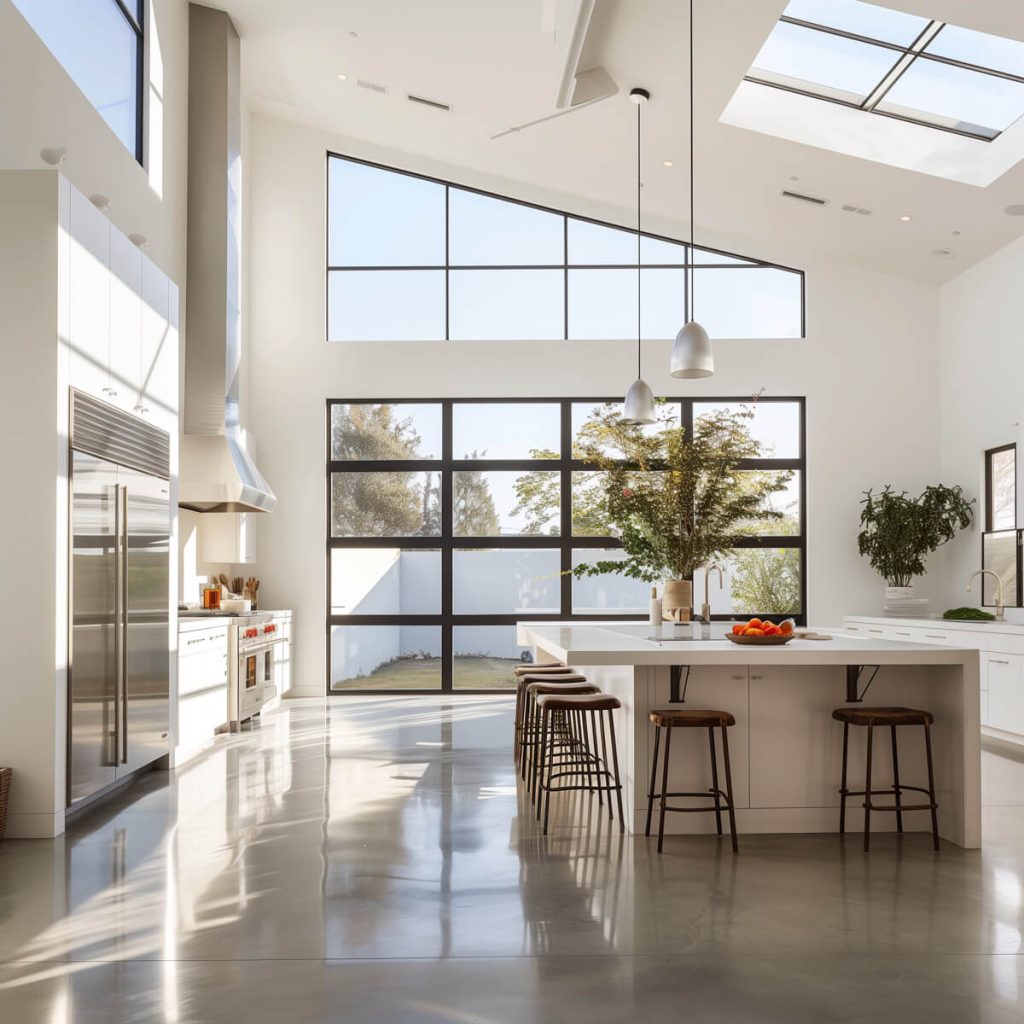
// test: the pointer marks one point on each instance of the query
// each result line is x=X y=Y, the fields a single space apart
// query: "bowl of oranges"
x=762 y=632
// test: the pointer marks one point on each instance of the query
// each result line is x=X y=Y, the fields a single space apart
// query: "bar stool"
x=893 y=718
x=520 y=737
x=687 y=719
x=554 y=668
x=581 y=752
x=532 y=720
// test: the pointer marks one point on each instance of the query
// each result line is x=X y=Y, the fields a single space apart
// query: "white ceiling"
x=497 y=64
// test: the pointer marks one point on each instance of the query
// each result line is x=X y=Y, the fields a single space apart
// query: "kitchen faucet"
x=705 y=608
x=999 y=590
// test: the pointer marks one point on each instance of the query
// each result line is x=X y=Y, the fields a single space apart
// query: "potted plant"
x=677 y=502
x=898 y=532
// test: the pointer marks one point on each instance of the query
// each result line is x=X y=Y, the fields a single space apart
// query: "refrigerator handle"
x=122 y=505
x=115 y=754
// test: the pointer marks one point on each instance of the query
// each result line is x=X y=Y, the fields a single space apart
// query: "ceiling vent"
x=800 y=197
x=427 y=103
x=371 y=86
x=850 y=208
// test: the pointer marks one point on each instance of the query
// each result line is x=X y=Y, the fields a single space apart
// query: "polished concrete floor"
x=372 y=864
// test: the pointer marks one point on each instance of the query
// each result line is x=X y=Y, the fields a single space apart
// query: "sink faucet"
x=999 y=590
x=705 y=608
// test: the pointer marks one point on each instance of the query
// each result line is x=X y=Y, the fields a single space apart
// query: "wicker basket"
x=5 y=791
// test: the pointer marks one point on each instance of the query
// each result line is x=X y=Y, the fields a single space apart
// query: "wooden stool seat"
x=525 y=670
x=695 y=719
x=883 y=716
x=563 y=699
x=544 y=689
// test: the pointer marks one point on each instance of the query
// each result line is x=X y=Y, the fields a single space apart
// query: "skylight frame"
x=906 y=57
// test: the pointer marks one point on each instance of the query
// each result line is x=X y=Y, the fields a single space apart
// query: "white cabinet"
x=202 y=684
x=122 y=319
x=227 y=537
x=1006 y=692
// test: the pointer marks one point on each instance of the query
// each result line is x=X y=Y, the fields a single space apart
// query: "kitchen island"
x=785 y=748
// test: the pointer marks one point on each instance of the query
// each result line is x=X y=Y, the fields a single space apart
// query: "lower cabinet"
x=1006 y=692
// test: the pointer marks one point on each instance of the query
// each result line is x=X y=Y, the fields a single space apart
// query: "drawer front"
x=1006 y=692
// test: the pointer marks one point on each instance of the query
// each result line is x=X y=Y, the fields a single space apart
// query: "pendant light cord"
x=692 y=258
x=638 y=276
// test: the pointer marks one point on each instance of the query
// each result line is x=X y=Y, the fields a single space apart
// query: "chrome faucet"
x=999 y=590
x=705 y=608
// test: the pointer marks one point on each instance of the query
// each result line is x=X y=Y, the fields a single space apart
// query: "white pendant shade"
x=691 y=353
x=639 y=404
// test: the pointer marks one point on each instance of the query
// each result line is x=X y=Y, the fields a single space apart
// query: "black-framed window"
x=413 y=258
x=101 y=45
x=450 y=520
x=1001 y=488
x=895 y=64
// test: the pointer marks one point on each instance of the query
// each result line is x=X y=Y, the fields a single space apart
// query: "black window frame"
x=566 y=541
x=989 y=503
x=748 y=262
x=904 y=58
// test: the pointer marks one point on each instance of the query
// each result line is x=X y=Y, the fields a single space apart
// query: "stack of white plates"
x=907 y=607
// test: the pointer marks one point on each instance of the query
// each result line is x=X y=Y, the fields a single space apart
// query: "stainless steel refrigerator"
x=119 y=670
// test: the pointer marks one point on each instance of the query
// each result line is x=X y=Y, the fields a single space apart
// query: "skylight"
x=896 y=65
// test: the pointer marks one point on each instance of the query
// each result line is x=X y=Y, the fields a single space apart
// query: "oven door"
x=255 y=670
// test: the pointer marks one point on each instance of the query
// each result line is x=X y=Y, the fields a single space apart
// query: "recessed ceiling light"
x=342 y=78
x=1015 y=209
x=906 y=218
x=944 y=254
x=669 y=163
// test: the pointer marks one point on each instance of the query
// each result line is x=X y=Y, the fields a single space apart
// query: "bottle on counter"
x=655 y=616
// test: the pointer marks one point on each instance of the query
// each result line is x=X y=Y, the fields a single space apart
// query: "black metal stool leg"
x=714 y=779
x=896 y=780
x=654 y=780
x=615 y=769
x=842 y=784
x=597 y=759
x=664 y=788
x=547 y=736
x=867 y=793
x=541 y=755
x=728 y=790
x=605 y=778
x=931 y=786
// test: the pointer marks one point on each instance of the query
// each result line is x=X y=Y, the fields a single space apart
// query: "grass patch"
x=471 y=673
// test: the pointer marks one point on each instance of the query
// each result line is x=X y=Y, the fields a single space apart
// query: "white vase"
x=902 y=601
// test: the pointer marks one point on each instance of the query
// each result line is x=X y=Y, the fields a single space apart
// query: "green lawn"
x=471 y=673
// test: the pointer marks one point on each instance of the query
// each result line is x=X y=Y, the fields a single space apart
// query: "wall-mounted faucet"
x=705 y=608
x=999 y=589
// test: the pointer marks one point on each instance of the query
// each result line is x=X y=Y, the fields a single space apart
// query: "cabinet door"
x=159 y=348
x=89 y=296
x=125 y=284
x=1006 y=692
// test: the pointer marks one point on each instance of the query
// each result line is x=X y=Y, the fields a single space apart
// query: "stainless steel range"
x=252 y=643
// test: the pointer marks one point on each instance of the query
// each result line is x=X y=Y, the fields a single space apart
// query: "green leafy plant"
x=898 y=532
x=968 y=615
x=677 y=502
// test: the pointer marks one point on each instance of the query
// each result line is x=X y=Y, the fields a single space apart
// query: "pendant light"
x=691 y=351
x=639 y=404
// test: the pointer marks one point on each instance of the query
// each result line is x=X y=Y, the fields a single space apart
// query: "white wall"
x=868 y=369
x=982 y=393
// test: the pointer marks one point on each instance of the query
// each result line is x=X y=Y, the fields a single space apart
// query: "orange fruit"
x=738 y=629
x=785 y=628
x=753 y=631
x=754 y=624
x=772 y=630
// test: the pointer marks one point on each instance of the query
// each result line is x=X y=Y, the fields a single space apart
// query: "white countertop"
x=627 y=643
x=936 y=621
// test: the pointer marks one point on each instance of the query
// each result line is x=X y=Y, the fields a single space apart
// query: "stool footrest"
x=718 y=795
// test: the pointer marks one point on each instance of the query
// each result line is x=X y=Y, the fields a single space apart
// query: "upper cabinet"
x=123 y=319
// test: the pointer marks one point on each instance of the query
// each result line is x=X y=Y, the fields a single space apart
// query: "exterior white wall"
x=868 y=369
x=982 y=402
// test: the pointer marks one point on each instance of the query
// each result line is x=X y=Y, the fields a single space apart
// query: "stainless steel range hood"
x=217 y=473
